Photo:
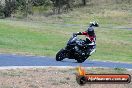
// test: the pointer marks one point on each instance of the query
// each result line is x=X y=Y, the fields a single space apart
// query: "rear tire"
x=60 y=55
x=80 y=60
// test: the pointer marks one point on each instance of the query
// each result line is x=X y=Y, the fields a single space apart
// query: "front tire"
x=60 y=55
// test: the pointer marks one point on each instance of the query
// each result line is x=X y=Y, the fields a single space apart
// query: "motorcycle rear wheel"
x=81 y=60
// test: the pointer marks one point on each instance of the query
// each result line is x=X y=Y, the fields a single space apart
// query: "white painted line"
x=28 y=67
x=34 y=67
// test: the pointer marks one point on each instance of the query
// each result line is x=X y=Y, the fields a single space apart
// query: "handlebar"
x=74 y=35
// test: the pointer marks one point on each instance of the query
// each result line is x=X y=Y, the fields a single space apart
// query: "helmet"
x=90 y=31
x=95 y=24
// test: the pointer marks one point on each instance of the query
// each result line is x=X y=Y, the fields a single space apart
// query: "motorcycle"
x=76 y=49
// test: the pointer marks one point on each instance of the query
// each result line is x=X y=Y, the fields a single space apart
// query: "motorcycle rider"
x=90 y=36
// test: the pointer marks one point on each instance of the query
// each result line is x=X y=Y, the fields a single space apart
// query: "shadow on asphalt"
x=74 y=61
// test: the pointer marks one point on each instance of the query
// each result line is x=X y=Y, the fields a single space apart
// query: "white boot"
x=92 y=51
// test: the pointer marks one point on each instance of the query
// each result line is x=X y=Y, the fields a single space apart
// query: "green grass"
x=23 y=39
x=46 y=35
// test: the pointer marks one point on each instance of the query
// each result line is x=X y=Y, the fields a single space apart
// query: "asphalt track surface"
x=19 y=60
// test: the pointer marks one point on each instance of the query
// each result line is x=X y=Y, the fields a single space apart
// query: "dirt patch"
x=52 y=78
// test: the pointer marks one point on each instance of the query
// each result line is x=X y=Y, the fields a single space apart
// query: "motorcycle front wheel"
x=61 y=55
